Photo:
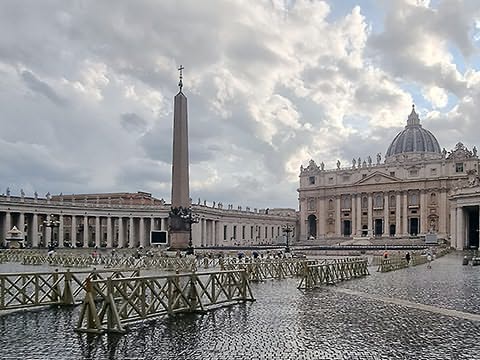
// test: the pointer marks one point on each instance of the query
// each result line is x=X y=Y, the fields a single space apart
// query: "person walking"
x=429 y=260
x=408 y=258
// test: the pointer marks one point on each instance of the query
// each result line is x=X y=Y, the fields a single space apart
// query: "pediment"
x=378 y=178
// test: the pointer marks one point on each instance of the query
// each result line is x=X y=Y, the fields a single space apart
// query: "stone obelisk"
x=178 y=219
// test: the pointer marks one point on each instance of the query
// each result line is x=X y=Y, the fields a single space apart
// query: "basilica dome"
x=413 y=139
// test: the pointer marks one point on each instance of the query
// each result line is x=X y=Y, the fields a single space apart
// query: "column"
x=21 y=223
x=359 y=215
x=163 y=224
x=196 y=232
x=338 y=220
x=131 y=233
x=460 y=241
x=73 y=231
x=97 y=232
x=142 y=232
x=320 y=220
x=423 y=213
x=204 y=232
x=85 y=231
x=7 y=225
x=35 y=231
x=214 y=232
x=109 y=232
x=61 y=231
x=442 y=214
x=370 y=215
x=353 y=206
x=48 y=233
x=121 y=233
x=152 y=224
x=453 y=227
x=398 y=215
x=386 y=215
x=405 y=214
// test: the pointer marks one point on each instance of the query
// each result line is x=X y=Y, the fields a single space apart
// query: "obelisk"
x=178 y=219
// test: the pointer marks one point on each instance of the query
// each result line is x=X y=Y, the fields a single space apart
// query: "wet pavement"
x=353 y=320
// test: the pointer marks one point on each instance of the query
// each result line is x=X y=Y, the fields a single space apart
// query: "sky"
x=87 y=87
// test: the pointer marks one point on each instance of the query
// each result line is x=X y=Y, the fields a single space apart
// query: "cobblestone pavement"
x=284 y=323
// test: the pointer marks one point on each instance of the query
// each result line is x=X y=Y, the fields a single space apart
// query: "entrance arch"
x=312 y=226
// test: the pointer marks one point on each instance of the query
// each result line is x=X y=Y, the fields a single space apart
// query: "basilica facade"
x=418 y=189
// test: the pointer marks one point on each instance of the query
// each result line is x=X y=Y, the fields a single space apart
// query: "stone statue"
x=353 y=163
x=213 y=206
x=369 y=160
x=359 y=162
x=22 y=193
x=199 y=201
x=474 y=151
x=444 y=152
x=8 y=191
x=204 y=202
x=35 y=194
x=322 y=166
x=301 y=168
x=379 y=158
x=47 y=195
x=338 y=164
x=364 y=163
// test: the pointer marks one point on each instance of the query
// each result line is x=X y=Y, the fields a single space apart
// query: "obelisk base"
x=179 y=240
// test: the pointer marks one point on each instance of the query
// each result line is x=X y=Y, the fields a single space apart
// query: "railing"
x=331 y=273
x=24 y=290
x=124 y=301
x=398 y=262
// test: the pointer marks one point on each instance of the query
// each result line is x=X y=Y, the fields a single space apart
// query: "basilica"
x=417 y=190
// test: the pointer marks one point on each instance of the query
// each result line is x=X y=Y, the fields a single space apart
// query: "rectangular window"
x=234 y=231
x=392 y=173
x=243 y=232
x=413 y=173
x=278 y=231
x=266 y=234
x=459 y=167
x=224 y=232
x=311 y=180
x=273 y=232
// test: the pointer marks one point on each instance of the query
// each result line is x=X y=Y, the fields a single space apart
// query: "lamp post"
x=190 y=218
x=287 y=229
x=51 y=223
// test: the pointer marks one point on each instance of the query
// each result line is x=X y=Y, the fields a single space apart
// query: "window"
x=413 y=199
x=330 y=180
x=433 y=171
x=234 y=231
x=266 y=234
x=346 y=178
x=459 y=167
x=273 y=235
x=346 y=202
x=413 y=173
x=311 y=180
x=392 y=173
x=393 y=201
x=378 y=201
x=243 y=232
x=364 y=202
x=364 y=176
x=251 y=232
x=224 y=232
x=311 y=204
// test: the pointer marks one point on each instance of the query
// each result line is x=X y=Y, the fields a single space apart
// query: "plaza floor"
x=414 y=313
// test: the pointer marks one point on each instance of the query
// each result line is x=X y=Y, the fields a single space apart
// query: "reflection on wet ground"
x=284 y=323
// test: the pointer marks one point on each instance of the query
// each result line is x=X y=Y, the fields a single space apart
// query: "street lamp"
x=287 y=229
x=190 y=218
x=51 y=223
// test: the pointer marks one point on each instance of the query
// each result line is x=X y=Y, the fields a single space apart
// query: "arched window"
x=330 y=204
x=346 y=202
x=364 y=202
x=378 y=201
x=393 y=201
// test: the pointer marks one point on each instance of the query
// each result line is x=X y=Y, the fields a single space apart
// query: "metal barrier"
x=330 y=273
x=24 y=290
x=128 y=300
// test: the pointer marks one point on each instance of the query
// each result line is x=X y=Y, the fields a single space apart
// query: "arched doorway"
x=312 y=226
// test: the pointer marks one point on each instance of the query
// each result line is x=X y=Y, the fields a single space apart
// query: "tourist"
x=407 y=257
x=385 y=255
x=429 y=260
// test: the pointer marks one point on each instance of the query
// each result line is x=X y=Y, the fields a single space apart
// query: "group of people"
x=408 y=257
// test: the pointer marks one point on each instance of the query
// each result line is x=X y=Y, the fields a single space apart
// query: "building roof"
x=413 y=139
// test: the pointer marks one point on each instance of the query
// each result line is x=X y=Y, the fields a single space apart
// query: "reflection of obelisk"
x=179 y=226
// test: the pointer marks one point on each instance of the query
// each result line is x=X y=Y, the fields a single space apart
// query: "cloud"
x=270 y=85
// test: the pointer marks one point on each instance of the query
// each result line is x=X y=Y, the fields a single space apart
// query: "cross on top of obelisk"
x=180 y=83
